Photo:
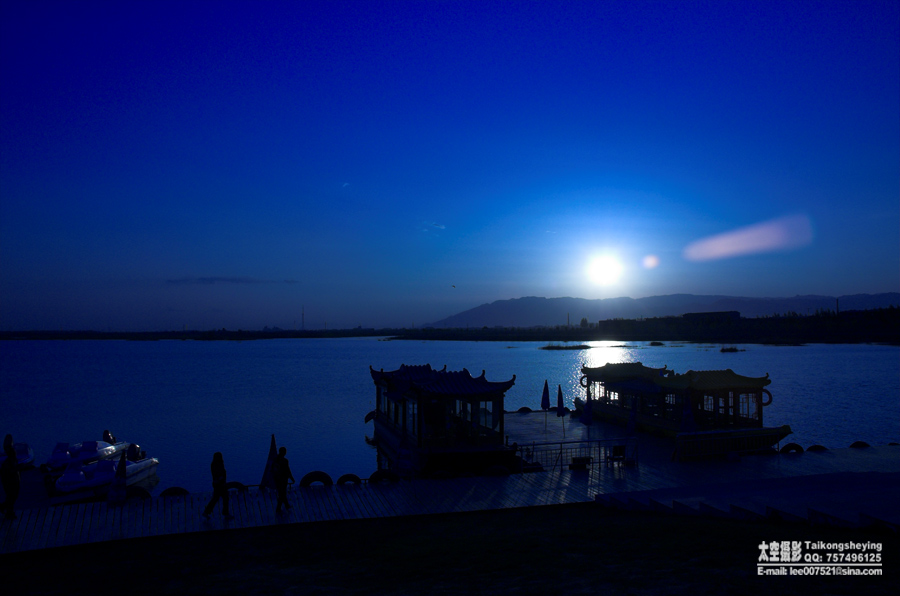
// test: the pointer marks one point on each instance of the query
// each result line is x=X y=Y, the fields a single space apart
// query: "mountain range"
x=533 y=311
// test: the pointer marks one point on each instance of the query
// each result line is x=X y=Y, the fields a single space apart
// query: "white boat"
x=97 y=477
x=84 y=453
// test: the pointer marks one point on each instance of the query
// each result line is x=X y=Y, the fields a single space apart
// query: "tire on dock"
x=174 y=491
x=815 y=448
x=859 y=444
x=314 y=477
x=383 y=476
x=524 y=410
x=349 y=479
x=792 y=448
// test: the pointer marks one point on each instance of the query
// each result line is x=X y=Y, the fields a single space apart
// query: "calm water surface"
x=183 y=400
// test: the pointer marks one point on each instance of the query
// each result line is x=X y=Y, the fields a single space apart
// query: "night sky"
x=203 y=165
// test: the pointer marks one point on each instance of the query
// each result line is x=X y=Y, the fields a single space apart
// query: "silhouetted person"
x=281 y=470
x=219 y=490
x=109 y=438
x=9 y=476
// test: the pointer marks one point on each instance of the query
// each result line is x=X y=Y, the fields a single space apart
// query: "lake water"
x=184 y=400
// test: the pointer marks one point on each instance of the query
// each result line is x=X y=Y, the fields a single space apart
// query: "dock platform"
x=848 y=486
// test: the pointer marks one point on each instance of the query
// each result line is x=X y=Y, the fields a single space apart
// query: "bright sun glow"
x=604 y=270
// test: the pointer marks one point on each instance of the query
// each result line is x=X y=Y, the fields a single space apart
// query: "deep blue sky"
x=210 y=164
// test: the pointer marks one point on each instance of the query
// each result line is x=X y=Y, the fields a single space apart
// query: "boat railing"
x=577 y=455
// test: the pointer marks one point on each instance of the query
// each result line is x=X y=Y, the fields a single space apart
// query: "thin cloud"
x=785 y=233
x=209 y=281
x=432 y=226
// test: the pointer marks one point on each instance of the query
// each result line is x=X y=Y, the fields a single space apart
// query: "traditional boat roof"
x=641 y=378
x=724 y=379
x=619 y=371
x=424 y=379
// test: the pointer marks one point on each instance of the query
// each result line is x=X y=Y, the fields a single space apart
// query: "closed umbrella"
x=545 y=402
x=560 y=408
x=268 y=479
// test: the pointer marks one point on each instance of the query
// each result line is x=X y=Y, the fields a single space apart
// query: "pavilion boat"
x=708 y=413
x=440 y=422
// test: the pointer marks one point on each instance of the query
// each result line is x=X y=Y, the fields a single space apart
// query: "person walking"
x=219 y=490
x=9 y=475
x=281 y=470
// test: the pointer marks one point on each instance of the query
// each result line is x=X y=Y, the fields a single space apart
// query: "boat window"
x=464 y=410
x=486 y=417
x=748 y=406
x=411 y=418
x=392 y=410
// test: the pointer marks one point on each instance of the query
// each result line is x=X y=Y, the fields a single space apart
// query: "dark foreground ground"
x=569 y=549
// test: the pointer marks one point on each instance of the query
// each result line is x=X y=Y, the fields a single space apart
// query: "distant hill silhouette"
x=534 y=311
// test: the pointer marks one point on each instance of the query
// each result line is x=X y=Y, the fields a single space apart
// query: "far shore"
x=870 y=326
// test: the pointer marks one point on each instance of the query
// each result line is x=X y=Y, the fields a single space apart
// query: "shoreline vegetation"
x=868 y=326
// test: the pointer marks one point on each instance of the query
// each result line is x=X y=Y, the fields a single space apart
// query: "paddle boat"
x=96 y=477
